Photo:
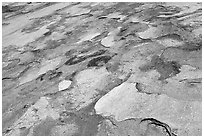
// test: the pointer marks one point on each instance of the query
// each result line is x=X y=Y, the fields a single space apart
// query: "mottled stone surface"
x=101 y=68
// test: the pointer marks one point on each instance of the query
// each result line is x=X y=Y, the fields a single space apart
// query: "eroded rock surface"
x=101 y=68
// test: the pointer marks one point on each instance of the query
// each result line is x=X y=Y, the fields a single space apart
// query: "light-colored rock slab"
x=109 y=40
x=29 y=76
x=57 y=35
x=150 y=33
x=125 y=102
x=49 y=65
x=90 y=35
x=168 y=42
x=87 y=82
x=20 y=39
x=26 y=57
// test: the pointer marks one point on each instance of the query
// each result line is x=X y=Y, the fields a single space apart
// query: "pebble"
x=108 y=41
x=64 y=84
x=152 y=32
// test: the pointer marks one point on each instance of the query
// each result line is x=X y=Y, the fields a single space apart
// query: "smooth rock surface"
x=64 y=84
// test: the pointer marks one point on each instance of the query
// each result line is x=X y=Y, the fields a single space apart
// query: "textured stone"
x=75 y=10
x=90 y=35
x=152 y=32
x=34 y=115
x=125 y=102
x=146 y=58
x=110 y=39
x=64 y=130
x=85 y=91
x=35 y=72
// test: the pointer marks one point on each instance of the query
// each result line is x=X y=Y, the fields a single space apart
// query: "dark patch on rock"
x=74 y=60
x=66 y=117
x=146 y=67
x=47 y=33
x=52 y=44
x=71 y=76
x=87 y=122
x=171 y=36
x=166 y=69
x=192 y=47
x=4 y=24
x=70 y=52
x=69 y=33
x=41 y=77
x=99 y=61
x=53 y=74
x=102 y=17
x=44 y=128
x=114 y=82
x=8 y=8
x=141 y=89
x=6 y=131
x=49 y=75
x=112 y=67
x=90 y=127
